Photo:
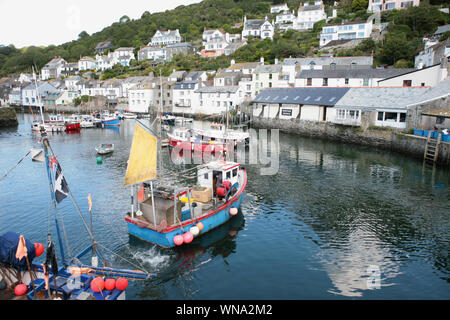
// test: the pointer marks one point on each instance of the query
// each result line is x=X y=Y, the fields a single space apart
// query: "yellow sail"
x=143 y=155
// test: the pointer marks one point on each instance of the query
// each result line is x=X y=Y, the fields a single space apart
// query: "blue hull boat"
x=111 y=122
x=165 y=238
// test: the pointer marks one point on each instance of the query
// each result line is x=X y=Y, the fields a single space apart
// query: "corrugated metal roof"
x=312 y=96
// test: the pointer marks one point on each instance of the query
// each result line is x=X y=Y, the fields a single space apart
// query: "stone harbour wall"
x=8 y=117
x=383 y=138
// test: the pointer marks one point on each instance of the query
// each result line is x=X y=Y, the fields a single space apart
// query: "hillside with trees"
x=402 y=42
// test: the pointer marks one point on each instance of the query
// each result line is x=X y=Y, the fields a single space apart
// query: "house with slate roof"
x=258 y=28
x=303 y=104
x=309 y=14
x=319 y=63
x=162 y=38
x=345 y=77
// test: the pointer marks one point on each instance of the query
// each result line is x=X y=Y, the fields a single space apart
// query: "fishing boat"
x=182 y=120
x=128 y=115
x=111 y=121
x=105 y=148
x=55 y=123
x=72 y=122
x=68 y=278
x=220 y=132
x=87 y=121
x=171 y=216
x=186 y=139
x=168 y=118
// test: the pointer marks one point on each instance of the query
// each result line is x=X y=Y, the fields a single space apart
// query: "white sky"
x=45 y=22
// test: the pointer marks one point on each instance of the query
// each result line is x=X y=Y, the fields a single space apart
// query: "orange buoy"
x=20 y=289
x=200 y=226
x=110 y=284
x=121 y=284
x=39 y=248
x=98 y=284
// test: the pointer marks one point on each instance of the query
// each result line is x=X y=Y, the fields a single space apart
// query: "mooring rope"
x=9 y=171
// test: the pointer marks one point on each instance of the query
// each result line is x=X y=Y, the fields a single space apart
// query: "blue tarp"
x=8 y=248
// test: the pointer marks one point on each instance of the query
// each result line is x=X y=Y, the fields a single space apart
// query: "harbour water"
x=337 y=221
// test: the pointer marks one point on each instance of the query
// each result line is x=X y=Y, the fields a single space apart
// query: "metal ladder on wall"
x=432 y=148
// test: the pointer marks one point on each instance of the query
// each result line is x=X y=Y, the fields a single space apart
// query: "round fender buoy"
x=188 y=237
x=110 y=284
x=98 y=284
x=20 y=290
x=194 y=230
x=200 y=226
x=121 y=284
x=221 y=192
x=39 y=248
x=227 y=185
x=99 y=160
x=233 y=211
x=178 y=240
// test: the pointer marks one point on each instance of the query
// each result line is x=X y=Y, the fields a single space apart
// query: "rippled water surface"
x=333 y=213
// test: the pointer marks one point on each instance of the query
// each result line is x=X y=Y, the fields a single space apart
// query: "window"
x=365 y=82
x=380 y=116
x=205 y=176
x=228 y=176
x=407 y=83
x=309 y=82
x=325 y=82
x=235 y=172
x=346 y=80
x=333 y=66
x=270 y=76
x=270 y=84
x=402 y=117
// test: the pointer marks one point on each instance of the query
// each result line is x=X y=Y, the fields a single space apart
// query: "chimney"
x=261 y=61
x=232 y=62
x=276 y=61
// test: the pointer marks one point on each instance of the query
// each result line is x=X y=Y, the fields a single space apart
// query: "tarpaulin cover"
x=8 y=248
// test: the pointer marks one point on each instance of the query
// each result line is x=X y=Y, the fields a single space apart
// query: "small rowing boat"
x=105 y=148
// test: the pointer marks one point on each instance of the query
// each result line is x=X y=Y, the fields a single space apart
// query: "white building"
x=53 y=69
x=433 y=54
x=309 y=14
x=267 y=76
x=319 y=63
x=279 y=8
x=345 y=77
x=140 y=96
x=152 y=53
x=258 y=28
x=124 y=55
x=216 y=100
x=215 y=42
x=165 y=37
x=30 y=94
x=426 y=77
x=87 y=63
x=286 y=17
x=345 y=31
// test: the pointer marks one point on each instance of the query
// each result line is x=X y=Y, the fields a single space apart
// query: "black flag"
x=61 y=189
x=51 y=258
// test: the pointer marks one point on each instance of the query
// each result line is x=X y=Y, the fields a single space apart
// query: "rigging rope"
x=9 y=171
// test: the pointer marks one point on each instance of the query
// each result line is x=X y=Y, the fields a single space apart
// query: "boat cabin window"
x=235 y=171
x=229 y=175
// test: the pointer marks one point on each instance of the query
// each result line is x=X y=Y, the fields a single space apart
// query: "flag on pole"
x=61 y=188
x=21 y=249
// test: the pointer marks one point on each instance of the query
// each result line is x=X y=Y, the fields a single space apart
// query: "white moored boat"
x=105 y=148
